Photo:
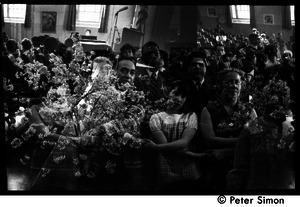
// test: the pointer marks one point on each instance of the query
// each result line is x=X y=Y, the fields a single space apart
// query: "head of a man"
x=196 y=67
x=127 y=50
x=126 y=70
x=220 y=49
x=254 y=39
x=151 y=54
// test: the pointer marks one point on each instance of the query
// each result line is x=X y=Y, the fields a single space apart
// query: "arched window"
x=14 y=13
x=89 y=15
x=240 y=14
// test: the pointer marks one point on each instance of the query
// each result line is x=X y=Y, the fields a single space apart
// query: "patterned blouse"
x=172 y=125
x=174 y=167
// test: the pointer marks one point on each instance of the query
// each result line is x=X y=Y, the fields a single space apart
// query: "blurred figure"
x=127 y=50
x=148 y=76
x=27 y=54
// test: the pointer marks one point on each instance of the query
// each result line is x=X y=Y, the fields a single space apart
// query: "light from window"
x=89 y=15
x=14 y=13
x=293 y=15
x=240 y=14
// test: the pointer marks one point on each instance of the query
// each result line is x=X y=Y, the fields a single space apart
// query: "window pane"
x=240 y=14
x=292 y=13
x=14 y=13
x=89 y=15
x=5 y=10
x=233 y=12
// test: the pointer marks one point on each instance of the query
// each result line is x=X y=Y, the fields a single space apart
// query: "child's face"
x=175 y=101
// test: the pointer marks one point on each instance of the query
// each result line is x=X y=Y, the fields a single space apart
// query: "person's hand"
x=148 y=144
x=220 y=154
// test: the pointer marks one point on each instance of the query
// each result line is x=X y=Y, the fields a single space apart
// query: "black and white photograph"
x=148 y=100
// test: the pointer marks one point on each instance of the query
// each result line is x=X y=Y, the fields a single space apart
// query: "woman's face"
x=175 y=101
x=232 y=84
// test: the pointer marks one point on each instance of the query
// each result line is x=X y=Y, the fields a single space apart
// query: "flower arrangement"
x=98 y=116
x=238 y=119
x=286 y=142
x=272 y=100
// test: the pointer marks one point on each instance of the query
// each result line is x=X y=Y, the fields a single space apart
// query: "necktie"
x=153 y=85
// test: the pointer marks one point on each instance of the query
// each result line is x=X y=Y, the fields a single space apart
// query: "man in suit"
x=196 y=79
x=148 y=76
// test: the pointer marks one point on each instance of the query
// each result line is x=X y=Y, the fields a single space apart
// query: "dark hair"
x=35 y=41
x=183 y=89
x=193 y=55
x=149 y=44
x=11 y=45
x=219 y=44
x=41 y=40
x=132 y=59
x=50 y=44
x=270 y=50
x=69 y=42
x=127 y=46
x=253 y=38
x=26 y=44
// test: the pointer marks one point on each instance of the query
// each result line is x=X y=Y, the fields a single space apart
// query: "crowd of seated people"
x=220 y=60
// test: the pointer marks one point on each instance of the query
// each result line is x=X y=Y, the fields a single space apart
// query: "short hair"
x=35 y=41
x=253 y=37
x=69 y=42
x=193 y=55
x=132 y=59
x=270 y=50
x=149 y=44
x=184 y=90
x=26 y=44
x=127 y=46
x=50 y=43
x=219 y=44
x=11 y=45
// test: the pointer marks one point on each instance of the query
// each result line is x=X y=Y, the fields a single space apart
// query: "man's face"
x=151 y=56
x=126 y=71
x=128 y=53
x=197 y=69
x=220 y=50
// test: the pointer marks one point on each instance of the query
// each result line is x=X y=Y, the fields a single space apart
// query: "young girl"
x=172 y=132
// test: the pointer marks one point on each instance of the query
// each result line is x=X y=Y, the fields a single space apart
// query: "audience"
x=205 y=92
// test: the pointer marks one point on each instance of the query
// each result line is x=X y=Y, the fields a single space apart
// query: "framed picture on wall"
x=49 y=22
x=211 y=12
x=268 y=19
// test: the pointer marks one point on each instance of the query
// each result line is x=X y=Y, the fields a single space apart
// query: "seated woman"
x=265 y=149
x=222 y=122
x=172 y=132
